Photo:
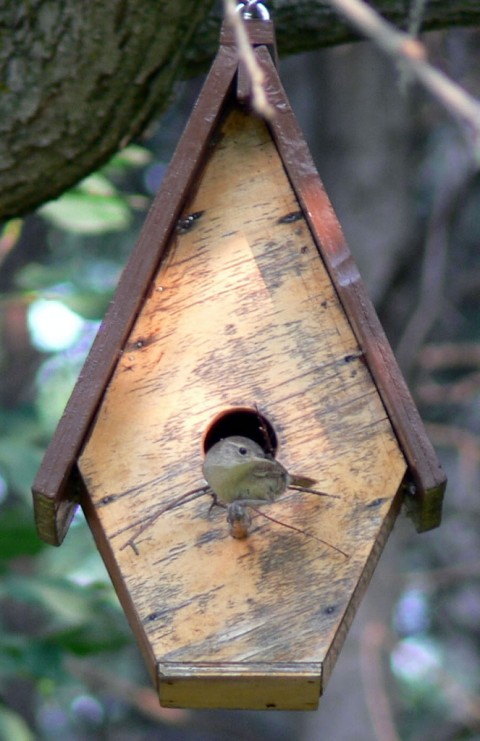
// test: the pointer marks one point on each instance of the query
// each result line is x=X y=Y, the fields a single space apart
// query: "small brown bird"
x=238 y=469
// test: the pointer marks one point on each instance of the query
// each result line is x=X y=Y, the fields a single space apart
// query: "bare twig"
x=297 y=530
x=416 y=16
x=431 y=291
x=443 y=355
x=467 y=445
x=189 y=496
x=449 y=393
x=435 y=259
x=432 y=579
x=143 y=699
x=463 y=704
x=373 y=640
x=260 y=102
x=411 y=52
x=451 y=436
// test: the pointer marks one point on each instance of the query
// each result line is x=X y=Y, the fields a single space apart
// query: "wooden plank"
x=424 y=466
x=54 y=488
x=242 y=311
x=260 y=33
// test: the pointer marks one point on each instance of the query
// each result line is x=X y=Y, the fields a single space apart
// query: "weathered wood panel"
x=241 y=311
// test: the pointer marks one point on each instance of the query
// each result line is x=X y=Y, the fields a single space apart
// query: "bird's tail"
x=302 y=482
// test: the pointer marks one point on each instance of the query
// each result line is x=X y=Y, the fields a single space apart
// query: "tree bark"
x=78 y=80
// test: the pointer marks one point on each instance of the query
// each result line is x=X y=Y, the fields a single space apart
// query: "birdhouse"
x=240 y=313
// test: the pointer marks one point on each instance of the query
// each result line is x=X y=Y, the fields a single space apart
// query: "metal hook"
x=253 y=9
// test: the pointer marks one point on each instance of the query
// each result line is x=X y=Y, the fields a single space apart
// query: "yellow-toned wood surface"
x=241 y=312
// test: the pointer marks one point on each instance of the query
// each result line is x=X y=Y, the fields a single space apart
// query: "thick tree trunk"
x=78 y=80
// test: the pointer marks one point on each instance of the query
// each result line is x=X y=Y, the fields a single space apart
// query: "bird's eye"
x=243 y=451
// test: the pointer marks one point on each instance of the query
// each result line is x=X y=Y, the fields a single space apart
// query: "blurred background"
x=406 y=187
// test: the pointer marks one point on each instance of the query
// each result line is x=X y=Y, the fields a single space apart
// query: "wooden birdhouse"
x=240 y=312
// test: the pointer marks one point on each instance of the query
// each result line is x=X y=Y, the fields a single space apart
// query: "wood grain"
x=241 y=311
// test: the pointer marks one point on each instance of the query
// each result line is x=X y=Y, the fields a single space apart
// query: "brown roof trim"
x=428 y=477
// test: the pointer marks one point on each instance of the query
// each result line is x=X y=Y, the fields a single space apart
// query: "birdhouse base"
x=261 y=687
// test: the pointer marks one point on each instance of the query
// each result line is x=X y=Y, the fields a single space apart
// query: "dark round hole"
x=241 y=421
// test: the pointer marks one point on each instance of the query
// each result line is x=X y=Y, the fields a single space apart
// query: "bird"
x=237 y=469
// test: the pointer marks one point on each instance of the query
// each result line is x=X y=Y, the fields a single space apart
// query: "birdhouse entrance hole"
x=245 y=422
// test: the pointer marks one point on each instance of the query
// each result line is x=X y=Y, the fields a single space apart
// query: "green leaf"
x=19 y=537
x=19 y=462
x=20 y=452
x=83 y=619
x=10 y=233
x=30 y=657
x=131 y=156
x=37 y=277
x=66 y=602
x=13 y=727
x=104 y=632
x=88 y=213
x=90 y=305
x=96 y=184
x=55 y=381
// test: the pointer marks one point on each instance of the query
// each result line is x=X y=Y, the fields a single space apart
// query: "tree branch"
x=305 y=25
x=80 y=80
x=401 y=46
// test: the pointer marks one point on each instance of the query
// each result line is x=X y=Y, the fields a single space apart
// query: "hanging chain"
x=253 y=9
